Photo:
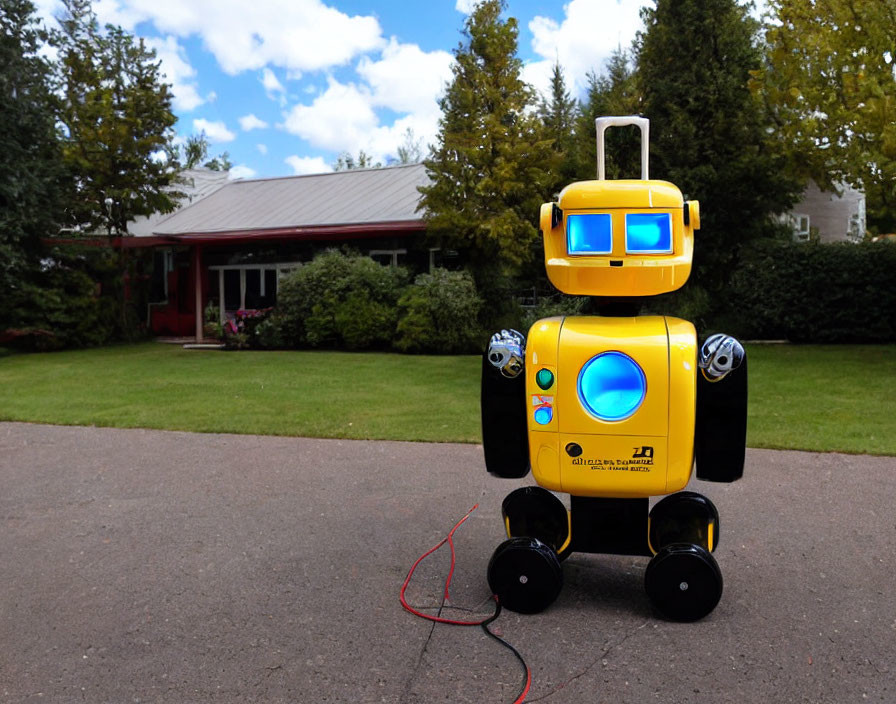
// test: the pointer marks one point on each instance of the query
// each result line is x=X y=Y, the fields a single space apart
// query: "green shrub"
x=339 y=300
x=439 y=314
x=839 y=292
x=269 y=333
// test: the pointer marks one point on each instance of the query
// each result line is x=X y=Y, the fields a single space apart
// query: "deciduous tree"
x=117 y=124
x=829 y=79
x=345 y=162
x=195 y=155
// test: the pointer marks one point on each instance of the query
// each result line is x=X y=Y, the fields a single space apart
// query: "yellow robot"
x=613 y=409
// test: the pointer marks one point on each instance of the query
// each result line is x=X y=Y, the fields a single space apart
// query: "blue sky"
x=284 y=86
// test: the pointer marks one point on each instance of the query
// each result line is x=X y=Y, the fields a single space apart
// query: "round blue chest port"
x=612 y=386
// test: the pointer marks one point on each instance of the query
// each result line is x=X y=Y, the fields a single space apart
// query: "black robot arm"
x=721 y=422
x=503 y=399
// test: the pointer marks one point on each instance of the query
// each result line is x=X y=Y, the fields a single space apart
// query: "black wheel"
x=534 y=512
x=683 y=582
x=685 y=517
x=525 y=574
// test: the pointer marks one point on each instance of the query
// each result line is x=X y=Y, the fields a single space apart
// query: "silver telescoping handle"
x=601 y=125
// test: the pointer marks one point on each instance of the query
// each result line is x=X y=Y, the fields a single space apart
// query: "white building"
x=837 y=216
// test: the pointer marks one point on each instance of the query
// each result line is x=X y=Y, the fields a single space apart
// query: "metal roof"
x=341 y=198
x=194 y=184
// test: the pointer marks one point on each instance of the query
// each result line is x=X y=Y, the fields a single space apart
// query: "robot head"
x=619 y=238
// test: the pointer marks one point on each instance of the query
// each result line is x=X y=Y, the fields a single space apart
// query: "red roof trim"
x=314 y=232
x=128 y=242
x=311 y=233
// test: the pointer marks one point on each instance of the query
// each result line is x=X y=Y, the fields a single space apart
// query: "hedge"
x=809 y=292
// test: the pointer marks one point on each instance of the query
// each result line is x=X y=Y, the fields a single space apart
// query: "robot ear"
x=692 y=214
x=556 y=215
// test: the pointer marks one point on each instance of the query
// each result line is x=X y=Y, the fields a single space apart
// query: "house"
x=836 y=216
x=230 y=247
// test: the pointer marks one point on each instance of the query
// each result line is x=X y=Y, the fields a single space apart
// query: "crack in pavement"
x=610 y=648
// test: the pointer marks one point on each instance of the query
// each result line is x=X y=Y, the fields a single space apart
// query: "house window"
x=162 y=265
x=389 y=257
x=800 y=227
x=248 y=286
x=439 y=258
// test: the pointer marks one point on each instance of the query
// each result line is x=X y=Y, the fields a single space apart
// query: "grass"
x=823 y=398
x=316 y=394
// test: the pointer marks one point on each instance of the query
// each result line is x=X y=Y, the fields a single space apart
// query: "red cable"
x=483 y=623
x=447 y=539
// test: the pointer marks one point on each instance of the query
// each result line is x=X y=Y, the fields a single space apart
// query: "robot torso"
x=611 y=404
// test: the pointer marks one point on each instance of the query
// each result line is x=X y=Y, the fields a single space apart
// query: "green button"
x=544 y=378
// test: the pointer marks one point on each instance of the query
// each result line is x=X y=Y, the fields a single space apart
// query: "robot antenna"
x=601 y=125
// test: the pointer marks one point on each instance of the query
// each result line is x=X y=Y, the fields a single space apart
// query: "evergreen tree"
x=30 y=192
x=708 y=133
x=558 y=115
x=117 y=122
x=613 y=92
x=491 y=167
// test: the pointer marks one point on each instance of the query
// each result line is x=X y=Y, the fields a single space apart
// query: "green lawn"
x=823 y=398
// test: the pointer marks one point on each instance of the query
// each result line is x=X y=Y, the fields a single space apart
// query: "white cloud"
x=308 y=164
x=251 y=122
x=583 y=41
x=407 y=79
x=177 y=71
x=300 y=35
x=340 y=118
x=241 y=171
x=262 y=148
x=215 y=131
x=271 y=83
x=465 y=6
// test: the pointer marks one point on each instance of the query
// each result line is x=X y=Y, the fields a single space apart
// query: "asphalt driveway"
x=148 y=566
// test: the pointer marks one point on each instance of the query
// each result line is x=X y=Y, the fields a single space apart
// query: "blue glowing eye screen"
x=612 y=386
x=648 y=233
x=589 y=233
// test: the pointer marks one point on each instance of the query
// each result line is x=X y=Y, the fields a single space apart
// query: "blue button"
x=612 y=386
x=544 y=415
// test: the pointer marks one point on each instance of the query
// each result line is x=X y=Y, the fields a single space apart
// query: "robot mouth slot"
x=616 y=262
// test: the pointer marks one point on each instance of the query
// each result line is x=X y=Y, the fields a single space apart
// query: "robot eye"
x=589 y=233
x=648 y=233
